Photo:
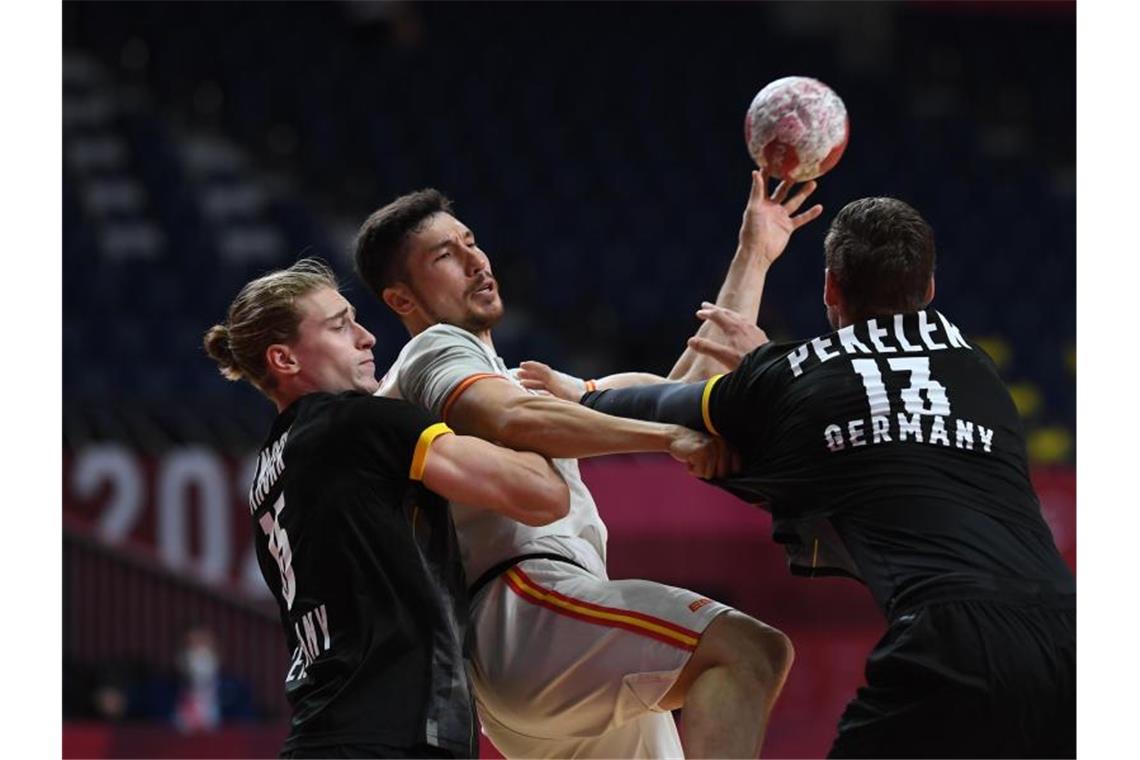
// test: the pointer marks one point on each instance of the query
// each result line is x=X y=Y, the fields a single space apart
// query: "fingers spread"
x=798 y=199
x=781 y=191
x=759 y=183
x=807 y=216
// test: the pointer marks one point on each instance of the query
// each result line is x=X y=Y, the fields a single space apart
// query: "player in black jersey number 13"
x=889 y=450
x=353 y=537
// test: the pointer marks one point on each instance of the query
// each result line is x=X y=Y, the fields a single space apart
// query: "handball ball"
x=796 y=128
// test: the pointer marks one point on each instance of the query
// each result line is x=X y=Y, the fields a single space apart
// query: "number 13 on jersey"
x=935 y=403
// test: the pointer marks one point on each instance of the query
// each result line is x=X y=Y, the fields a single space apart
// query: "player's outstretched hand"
x=770 y=220
x=537 y=376
x=705 y=457
x=740 y=336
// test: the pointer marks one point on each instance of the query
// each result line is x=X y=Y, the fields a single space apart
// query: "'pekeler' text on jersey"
x=889 y=450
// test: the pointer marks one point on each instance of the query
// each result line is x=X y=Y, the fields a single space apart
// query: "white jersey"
x=432 y=370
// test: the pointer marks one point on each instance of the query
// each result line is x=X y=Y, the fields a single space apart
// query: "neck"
x=282 y=398
x=485 y=337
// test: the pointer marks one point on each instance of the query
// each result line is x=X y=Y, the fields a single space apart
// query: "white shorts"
x=570 y=664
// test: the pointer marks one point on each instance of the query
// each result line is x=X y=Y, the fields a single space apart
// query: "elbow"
x=559 y=505
x=550 y=504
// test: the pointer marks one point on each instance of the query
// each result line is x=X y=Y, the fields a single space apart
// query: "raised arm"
x=768 y=224
x=521 y=485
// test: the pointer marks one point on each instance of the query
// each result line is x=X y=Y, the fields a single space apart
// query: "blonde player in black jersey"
x=359 y=555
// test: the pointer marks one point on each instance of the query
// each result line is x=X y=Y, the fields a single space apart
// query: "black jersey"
x=889 y=450
x=364 y=564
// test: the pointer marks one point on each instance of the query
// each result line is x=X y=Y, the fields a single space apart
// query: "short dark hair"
x=881 y=252
x=381 y=257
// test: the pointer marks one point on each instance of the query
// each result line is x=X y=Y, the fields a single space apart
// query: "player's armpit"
x=519 y=485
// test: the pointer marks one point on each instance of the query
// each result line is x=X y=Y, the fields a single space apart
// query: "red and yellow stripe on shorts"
x=637 y=622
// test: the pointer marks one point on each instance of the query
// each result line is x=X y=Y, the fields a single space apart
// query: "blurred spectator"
x=205 y=695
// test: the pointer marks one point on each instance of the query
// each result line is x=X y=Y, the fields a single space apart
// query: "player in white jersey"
x=567 y=662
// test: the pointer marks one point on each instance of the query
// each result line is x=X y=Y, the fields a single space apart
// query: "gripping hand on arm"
x=500 y=411
x=738 y=336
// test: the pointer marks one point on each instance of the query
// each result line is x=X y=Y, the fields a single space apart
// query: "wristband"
x=591 y=385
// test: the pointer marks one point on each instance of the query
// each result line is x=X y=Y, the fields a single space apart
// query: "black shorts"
x=969 y=679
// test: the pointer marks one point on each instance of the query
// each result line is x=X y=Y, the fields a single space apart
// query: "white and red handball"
x=796 y=128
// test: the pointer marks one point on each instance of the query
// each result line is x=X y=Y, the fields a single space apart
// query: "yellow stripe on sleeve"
x=419 y=459
x=705 y=403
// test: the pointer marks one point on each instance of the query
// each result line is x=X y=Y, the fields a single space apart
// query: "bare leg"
x=729 y=686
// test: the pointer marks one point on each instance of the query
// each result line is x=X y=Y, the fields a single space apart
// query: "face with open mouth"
x=450 y=276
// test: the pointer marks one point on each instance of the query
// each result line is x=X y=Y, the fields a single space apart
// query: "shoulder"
x=330 y=419
x=440 y=337
x=763 y=374
x=768 y=357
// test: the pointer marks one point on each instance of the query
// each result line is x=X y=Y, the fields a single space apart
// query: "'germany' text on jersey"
x=363 y=563
x=889 y=450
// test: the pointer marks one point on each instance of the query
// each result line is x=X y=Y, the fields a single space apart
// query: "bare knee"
x=745 y=648
x=757 y=649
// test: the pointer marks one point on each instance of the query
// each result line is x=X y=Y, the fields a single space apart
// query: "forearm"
x=627 y=380
x=742 y=291
x=527 y=487
x=521 y=485
x=675 y=403
x=563 y=429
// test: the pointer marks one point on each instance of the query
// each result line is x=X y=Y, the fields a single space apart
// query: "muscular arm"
x=678 y=403
x=520 y=485
x=500 y=411
x=452 y=373
x=764 y=233
x=741 y=292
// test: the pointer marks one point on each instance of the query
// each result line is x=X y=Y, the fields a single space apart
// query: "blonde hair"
x=264 y=313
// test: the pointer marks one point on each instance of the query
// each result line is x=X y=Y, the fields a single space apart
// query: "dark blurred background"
x=597 y=151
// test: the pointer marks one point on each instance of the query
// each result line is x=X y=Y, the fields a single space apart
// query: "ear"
x=281 y=361
x=929 y=292
x=831 y=296
x=399 y=299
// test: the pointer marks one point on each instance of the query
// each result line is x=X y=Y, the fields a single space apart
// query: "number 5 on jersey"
x=279 y=548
